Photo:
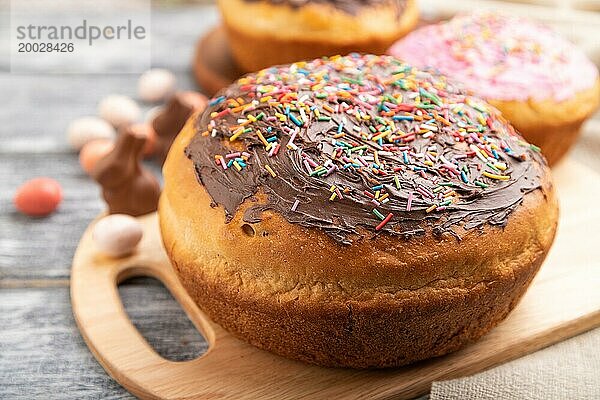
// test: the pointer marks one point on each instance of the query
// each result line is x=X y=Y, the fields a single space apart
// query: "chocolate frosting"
x=359 y=145
x=349 y=6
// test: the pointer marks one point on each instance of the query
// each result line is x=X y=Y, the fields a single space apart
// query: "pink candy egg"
x=38 y=197
x=92 y=152
x=198 y=101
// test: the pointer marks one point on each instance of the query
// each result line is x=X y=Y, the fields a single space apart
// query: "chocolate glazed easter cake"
x=262 y=33
x=355 y=212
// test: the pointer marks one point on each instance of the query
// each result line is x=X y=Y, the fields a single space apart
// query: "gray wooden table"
x=41 y=351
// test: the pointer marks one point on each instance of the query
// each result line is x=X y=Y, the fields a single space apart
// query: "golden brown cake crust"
x=553 y=126
x=275 y=203
x=312 y=31
x=543 y=84
x=296 y=292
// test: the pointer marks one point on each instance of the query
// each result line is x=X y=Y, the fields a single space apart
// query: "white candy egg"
x=156 y=85
x=119 y=110
x=117 y=235
x=85 y=129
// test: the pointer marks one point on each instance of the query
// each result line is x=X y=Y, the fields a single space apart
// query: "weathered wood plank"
x=33 y=143
x=41 y=106
x=38 y=248
x=167 y=42
x=175 y=32
x=42 y=354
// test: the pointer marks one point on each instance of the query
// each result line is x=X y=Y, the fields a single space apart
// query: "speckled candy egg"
x=156 y=85
x=119 y=110
x=38 y=197
x=85 y=129
x=117 y=235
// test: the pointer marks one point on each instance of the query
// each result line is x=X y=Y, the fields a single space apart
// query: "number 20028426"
x=26 y=47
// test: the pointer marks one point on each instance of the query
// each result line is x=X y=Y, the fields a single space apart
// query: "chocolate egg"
x=119 y=110
x=196 y=100
x=38 y=197
x=117 y=235
x=156 y=85
x=86 y=129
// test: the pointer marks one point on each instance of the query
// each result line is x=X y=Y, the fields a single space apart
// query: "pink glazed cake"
x=541 y=82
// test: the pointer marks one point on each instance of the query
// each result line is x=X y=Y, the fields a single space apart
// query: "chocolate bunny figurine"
x=127 y=187
x=169 y=122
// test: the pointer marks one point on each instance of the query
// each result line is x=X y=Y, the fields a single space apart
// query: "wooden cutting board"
x=564 y=300
x=213 y=64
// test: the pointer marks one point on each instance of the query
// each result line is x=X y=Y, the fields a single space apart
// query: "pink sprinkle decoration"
x=295 y=205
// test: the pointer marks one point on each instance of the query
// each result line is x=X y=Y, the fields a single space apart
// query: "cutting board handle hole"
x=159 y=318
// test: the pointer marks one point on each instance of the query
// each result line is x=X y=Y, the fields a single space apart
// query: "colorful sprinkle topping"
x=500 y=57
x=362 y=143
